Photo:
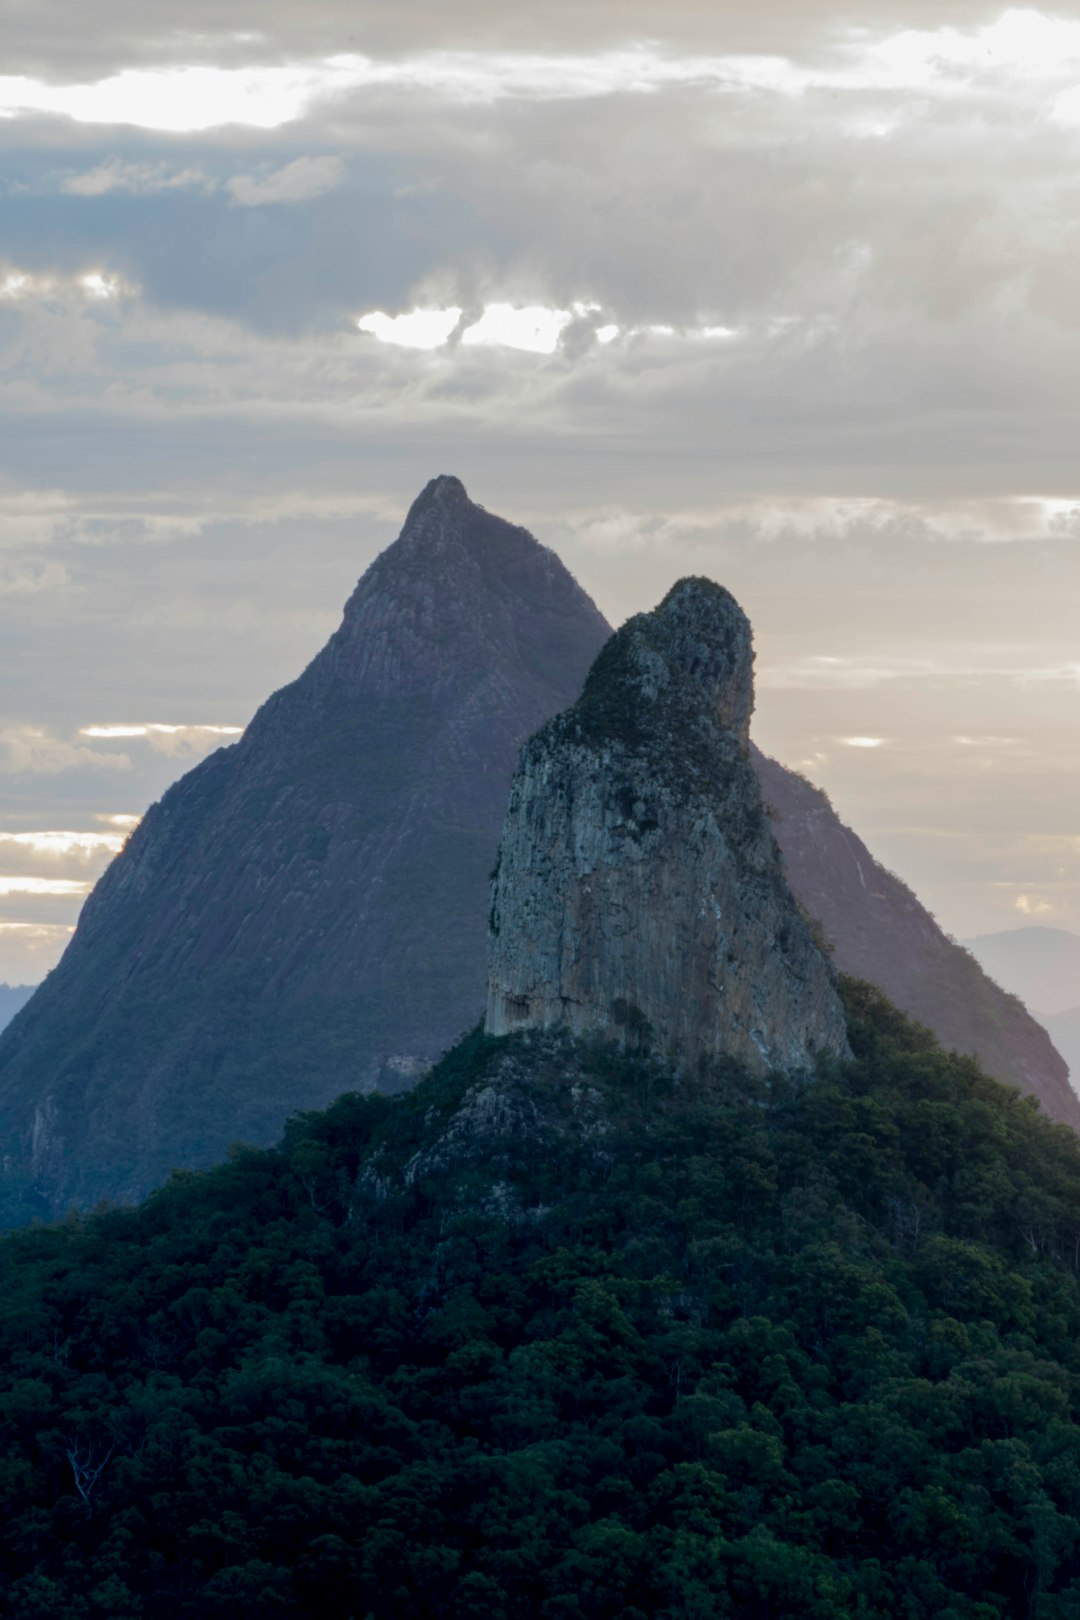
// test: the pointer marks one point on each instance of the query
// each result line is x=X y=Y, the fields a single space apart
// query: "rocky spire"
x=640 y=893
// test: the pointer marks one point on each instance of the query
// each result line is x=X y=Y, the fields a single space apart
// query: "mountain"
x=1040 y=965
x=305 y=912
x=12 y=998
x=639 y=894
x=879 y=931
x=560 y=1335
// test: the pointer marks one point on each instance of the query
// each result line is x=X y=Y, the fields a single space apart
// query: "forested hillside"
x=557 y=1336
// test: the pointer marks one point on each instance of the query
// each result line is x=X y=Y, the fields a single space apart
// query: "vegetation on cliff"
x=558 y=1336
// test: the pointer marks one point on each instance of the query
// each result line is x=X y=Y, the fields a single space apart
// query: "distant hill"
x=1064 y=1030
x=12 y=997
x=1040 y=965
x=879 y=931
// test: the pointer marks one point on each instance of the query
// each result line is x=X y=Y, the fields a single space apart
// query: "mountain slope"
x=879 y=931
x=304 y=913
x=557 y=1336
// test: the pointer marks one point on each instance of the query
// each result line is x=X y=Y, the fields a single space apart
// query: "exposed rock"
x=305 y=912
x=640 y=894
x=879 y=931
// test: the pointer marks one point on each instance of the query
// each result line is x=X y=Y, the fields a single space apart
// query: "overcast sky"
x=788 y=295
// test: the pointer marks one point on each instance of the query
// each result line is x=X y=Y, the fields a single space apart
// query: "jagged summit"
x=305 y=912
x=445 y=492
x=698 y=638
x=640 y=893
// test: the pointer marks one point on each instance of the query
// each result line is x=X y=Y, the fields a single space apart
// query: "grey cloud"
x=40 y=40
x=297 y=181
x=196 y=470
x=141 y=179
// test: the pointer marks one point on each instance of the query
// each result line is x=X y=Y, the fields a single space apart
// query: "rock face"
x=879 y=931
x=640 y=894
x=305 y=912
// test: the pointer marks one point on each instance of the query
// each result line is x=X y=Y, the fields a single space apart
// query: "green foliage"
x=632 y=1348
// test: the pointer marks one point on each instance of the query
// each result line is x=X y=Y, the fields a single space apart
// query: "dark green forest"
x=557 y=1335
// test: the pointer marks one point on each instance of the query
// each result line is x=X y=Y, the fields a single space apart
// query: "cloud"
x=29 y=949
x=1033 y=905
x=830 y=359
x=533 y=328
x=1020 y=48
x=18 y=286
x=33 y=751
x=58 y=843
x=30 y=580
x=417 y=329
x=175 y=741
x=176 y=99
x=137 y=179
x=60 y=855
x=62 y=888
x=303 y=178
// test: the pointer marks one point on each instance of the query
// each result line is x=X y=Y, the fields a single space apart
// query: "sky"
x=787 y=295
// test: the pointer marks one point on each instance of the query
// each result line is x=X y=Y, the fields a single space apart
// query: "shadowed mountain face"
x=880 y=932
x=305 y=912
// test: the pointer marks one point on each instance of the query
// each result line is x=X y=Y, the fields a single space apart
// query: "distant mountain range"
x=12 y=997
x=879 y=931
x=1042 y=967
x=1064 y=1031
x=305 y=913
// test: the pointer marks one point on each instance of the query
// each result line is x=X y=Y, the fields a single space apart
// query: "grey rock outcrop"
x=640 y=894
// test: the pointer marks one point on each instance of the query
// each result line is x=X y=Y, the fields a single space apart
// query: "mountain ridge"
x=880 y=931
x=221 y=978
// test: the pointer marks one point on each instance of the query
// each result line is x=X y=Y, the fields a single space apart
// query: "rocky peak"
x=640 y=893
x=305 y=912
x=704 y=635
x=445 y=604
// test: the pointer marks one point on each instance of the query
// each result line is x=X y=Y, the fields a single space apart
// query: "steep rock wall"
x=639 y=893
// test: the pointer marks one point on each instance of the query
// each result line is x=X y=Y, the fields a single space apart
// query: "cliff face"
x=880 y=932
x=305 y=912
x=639 y=893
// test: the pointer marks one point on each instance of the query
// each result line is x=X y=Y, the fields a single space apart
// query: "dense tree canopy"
x=557 y=1336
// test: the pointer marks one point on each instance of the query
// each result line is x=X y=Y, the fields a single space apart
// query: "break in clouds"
x=790 y=300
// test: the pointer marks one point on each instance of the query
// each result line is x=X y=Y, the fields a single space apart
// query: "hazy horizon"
x=788 y=300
